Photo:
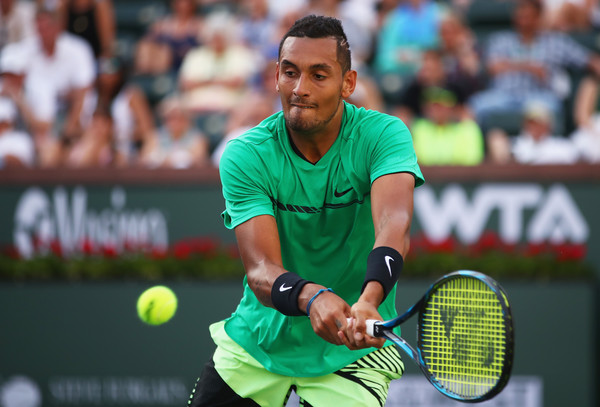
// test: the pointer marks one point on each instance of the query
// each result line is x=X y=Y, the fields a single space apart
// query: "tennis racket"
x=465 y=336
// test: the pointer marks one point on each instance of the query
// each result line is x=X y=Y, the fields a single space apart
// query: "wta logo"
x=44 y=220
x=523 y=212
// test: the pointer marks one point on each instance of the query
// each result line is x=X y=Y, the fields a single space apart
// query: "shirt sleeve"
x=244 y=189
x=393 y=152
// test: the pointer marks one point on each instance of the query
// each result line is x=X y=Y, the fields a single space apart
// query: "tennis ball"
x=157 y=305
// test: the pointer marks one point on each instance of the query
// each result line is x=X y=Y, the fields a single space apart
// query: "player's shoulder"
x=258 y=140
x=365 y=122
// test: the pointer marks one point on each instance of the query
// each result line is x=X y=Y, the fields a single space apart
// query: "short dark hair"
x=313 y=26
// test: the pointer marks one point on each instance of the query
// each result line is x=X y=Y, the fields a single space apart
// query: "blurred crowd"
x=166 y=83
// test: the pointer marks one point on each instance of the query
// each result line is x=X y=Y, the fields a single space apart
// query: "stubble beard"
x=297 y=124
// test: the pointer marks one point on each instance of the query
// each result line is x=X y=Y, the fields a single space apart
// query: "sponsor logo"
x=523 y=212
x=117 y=391
x=387 y=263
x=284 y=288
x=57 y=218
x=415 y=391
x=20 y=391
x=340 y=194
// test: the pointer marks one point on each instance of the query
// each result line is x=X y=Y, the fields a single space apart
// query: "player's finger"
x=360 y=329
x=355 y=341
x=347 y=335
x=374 y=342
x=344 y=338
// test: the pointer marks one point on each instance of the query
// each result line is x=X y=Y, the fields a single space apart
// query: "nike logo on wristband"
x=284 y=288
x=387 y=262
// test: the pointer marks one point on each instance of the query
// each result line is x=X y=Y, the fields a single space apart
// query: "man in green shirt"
x=320 y=196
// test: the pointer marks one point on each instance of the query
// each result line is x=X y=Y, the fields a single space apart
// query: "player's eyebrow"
x=325 y=67
x=314 y=67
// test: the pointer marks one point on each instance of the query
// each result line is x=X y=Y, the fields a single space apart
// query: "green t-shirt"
x=323 y=215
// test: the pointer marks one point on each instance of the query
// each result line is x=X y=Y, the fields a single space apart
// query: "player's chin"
x=301 y=122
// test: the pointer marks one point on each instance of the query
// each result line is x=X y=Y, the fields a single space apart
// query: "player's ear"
x=349 y=83
x=277 y=77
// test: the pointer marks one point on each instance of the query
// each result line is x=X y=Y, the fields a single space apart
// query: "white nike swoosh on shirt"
x=284 y=288
x=387 y=262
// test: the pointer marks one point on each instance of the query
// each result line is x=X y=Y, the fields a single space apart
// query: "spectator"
x=16 y=21
x=536 y=144
x=215 y=75
x=527 y=64
x=258 y=26
x=95 y=148
x=408 y=30
x=382 y=9
x=431 y=73
x=358 y=25
x=92 y=20
x=251 y=110
x=571 y=15
x=281 y=9
x=177 y=144
x=16 y=147
x=442 y=136
x=13 y=64
x=131 y=114
x=460 y=53
x=587 y=120
x=169 y=40
x=60 y=71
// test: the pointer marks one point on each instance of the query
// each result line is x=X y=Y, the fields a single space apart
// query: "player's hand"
x=355 y=336
x=328 y=314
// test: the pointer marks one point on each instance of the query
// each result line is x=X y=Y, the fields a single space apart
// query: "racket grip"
x=370 y=326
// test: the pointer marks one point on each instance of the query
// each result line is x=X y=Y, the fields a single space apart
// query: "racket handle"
x=370 y=325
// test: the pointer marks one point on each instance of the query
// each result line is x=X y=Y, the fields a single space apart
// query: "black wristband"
x=384 y=265
x=285 y=292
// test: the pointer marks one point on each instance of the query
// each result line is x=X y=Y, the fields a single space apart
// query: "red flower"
x=109 y=251
x=11 y=251
x=56 y=248
x=158 y=253
x=535 y=249
x=182 y=250
x=87 y=247
x=570 y=251
x=447 y=245
x=489 y=241
x=204 y=245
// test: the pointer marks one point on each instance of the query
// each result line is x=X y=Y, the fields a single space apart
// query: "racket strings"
x=463 y=337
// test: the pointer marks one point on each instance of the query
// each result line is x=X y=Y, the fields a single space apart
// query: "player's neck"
x=313 y=145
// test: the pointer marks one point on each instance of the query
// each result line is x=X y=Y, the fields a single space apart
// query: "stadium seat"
x=489 y=14
x=589 y=39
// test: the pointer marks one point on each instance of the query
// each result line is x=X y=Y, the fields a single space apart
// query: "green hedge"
x=206 y=259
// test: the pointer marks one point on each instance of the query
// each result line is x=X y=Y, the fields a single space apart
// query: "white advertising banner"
x=416 y=391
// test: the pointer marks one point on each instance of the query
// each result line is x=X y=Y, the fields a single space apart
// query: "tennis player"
x=320 y=196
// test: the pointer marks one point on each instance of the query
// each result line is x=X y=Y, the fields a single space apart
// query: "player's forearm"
x=394 y=231
x=372 y=294
x=261 y=277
